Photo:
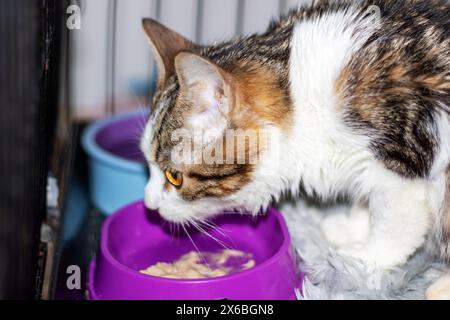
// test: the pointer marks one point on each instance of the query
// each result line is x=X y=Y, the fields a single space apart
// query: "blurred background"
x=65 y=65
x=111 y=63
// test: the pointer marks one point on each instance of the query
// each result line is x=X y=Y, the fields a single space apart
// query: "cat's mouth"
x=181 y=212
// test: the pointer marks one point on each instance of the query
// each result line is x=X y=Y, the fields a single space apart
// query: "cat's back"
x=383 y=67
x=398 y=85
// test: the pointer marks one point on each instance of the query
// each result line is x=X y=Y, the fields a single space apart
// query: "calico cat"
x=358 y=93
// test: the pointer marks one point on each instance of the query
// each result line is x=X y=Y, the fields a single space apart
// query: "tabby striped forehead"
x=164 y=103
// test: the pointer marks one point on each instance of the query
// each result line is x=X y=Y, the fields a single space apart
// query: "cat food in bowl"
x=198 y=265
x=242 y=258
x=117 y=170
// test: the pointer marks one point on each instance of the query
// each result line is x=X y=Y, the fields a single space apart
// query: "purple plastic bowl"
x=135 y=238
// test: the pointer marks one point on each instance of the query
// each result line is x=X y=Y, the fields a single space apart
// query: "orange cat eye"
x=175 y=179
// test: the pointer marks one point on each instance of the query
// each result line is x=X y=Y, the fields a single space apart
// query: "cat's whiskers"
x=171 y=229
x=203 y=231
x=243 y=213
x=142 y=117
x=178 y=229
x=221 y=231
x=213 y=226
x=182 y=224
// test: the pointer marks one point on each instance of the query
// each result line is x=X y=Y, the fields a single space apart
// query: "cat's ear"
x=166 y=44
x=207 y=88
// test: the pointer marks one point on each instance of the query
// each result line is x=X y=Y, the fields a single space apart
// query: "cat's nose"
x=151 y=198
x=151 y=203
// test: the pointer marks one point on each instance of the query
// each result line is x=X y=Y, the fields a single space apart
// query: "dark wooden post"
x=28 y=78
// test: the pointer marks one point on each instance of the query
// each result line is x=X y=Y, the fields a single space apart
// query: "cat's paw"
x=343 y=230
x=374 y=256
x=336 y=231
x=440 y=290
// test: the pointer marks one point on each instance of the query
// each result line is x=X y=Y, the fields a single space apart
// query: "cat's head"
x=210 y=131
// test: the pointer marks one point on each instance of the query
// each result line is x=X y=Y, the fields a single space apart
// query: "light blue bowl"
x=117 y=170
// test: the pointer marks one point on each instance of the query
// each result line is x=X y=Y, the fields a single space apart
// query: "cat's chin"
x=184 y=214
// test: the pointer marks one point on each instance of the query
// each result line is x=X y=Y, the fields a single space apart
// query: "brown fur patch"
x=261 y=100
x=340 y=87
x=398 y=73
x=199 y=184
x=434 y=82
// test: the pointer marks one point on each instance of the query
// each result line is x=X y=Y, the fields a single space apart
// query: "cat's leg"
x=439 y=290
x=400 y=219
x=347 y=228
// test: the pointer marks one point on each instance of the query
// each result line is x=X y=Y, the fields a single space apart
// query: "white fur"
x=146 y=140
x=154 y=190
x=440 y=162
x=338 y=161
x=345 y=229
x=438 y=170
x=400 y=220
x=326 y=157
